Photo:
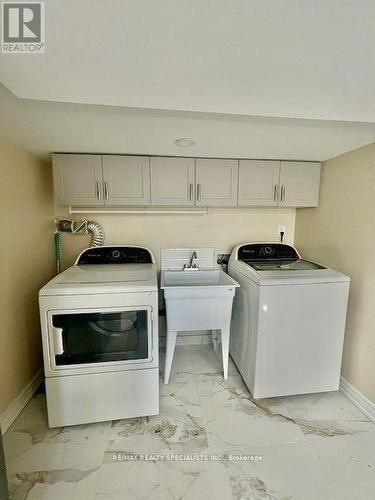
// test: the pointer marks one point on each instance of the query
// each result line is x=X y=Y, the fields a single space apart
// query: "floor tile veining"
x=209 y=441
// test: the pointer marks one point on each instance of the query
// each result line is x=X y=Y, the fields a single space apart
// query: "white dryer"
x=288 y=321
x=99 y=322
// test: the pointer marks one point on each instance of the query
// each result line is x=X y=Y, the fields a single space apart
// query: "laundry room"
x=187 y=272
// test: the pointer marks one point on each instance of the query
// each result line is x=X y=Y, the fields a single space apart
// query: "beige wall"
x=341 y=234
x=26 y=263
x=221 y=228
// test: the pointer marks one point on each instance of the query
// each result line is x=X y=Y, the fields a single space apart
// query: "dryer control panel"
x=115 y=255
x=267 y=251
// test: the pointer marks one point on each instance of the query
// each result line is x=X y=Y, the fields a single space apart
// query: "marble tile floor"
x=314 y=447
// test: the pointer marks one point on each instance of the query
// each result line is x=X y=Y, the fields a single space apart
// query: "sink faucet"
x=191 y=266
x=193 y=256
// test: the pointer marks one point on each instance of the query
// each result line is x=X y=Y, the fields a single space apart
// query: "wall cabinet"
x=189 y=182
x=95 y=180
x=172 y=181
x=275 y=183
x=78 y=179
x=126 y=180
x=258 y=183
x=120 y=180
x=216 y=182
x=299 y=184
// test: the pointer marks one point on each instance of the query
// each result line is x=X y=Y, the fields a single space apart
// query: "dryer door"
x=99 y=337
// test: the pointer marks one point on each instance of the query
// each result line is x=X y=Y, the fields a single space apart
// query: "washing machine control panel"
x=116 y=255
x=267 y=251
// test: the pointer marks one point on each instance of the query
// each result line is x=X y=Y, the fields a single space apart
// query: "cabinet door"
x=299 y=184
x=216 y=182
x=172 y=181
x=126 y=180
x=78 y=179
x=258 y=183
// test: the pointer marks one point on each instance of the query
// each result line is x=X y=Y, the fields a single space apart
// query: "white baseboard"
x=358 y=399
x=18 y=404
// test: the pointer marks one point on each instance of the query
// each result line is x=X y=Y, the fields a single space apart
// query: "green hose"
x=58 y=250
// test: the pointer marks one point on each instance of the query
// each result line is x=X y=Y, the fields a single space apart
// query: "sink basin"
x=183 y=279
x=214 y=290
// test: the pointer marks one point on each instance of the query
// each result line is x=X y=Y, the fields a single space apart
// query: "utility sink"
x=197 y=300
x=186 y=279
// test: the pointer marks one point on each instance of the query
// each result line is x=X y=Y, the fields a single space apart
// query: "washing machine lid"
x=103 y=278
x=280 y=264
x=278 y=277
x=107 y=269
x=284 y=265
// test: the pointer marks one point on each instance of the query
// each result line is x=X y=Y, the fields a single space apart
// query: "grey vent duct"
x=97 y=232
x=83 y=227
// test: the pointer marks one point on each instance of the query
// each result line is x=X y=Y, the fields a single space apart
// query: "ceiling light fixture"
x=184 y=142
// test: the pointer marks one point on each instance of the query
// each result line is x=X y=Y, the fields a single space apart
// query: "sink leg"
x=171 y=344
x=215 y=334
x=225 y=349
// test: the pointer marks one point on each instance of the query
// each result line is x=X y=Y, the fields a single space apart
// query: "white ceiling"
x=43 y=127
x=290 y=58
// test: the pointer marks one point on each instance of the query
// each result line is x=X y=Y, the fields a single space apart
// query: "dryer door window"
x=100 y=337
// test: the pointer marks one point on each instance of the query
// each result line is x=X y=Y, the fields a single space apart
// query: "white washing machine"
x=288 y=321
x=99 y=322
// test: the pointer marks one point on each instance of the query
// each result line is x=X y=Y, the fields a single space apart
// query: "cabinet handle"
x=191 y=192
x=282 y=193
x=106 y=190
x=98 y=194
x=198 y=192
x=275 y=193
